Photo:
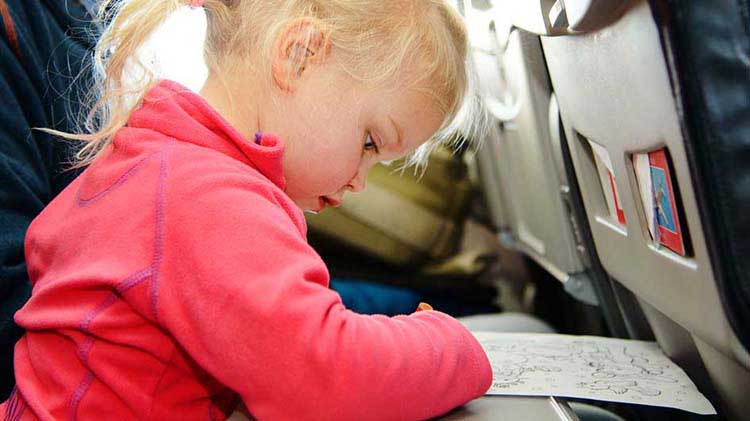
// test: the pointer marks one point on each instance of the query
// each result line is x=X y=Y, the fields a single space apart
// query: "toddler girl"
x=173 y=279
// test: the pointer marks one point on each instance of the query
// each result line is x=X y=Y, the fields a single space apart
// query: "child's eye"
x=370 y=144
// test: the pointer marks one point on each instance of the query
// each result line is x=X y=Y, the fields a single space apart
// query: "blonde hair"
x=373 y=39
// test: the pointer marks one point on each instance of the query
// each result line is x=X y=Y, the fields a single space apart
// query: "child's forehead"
x=397 y=96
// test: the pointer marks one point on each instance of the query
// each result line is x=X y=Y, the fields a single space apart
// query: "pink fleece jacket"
x=174 y=276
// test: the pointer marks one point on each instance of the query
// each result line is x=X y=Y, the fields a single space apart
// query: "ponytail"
x=121 y=79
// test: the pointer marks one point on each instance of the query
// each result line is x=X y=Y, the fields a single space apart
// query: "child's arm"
x=246 y=296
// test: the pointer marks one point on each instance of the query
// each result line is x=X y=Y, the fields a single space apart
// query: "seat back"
x=523 y=178
x=618 y=91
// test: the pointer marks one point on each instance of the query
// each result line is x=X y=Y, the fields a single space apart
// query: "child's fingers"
x=424 y=307
x=239 y=416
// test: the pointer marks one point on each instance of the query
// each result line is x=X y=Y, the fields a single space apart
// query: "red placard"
x=618 y=209
x=666 y=213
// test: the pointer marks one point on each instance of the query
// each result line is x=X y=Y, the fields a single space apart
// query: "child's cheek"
x=338 y=178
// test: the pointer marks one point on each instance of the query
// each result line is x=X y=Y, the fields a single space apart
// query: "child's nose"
x=357 y=185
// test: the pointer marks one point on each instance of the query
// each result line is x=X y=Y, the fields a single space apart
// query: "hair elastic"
x=196 y=3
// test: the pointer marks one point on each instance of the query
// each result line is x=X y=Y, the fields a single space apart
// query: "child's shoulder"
x=187 y=157
x=208 y=178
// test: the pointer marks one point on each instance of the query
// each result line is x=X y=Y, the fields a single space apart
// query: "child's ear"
x=302 y=43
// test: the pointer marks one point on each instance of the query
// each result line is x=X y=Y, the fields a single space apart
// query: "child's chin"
x=310 y=205
x=313 y=209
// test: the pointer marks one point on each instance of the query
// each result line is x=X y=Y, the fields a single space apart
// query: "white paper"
x=603 y=155
x=643 y=175
x=605 y=170
x=588 y=367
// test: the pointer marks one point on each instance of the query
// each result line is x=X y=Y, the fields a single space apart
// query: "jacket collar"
x=176 y=111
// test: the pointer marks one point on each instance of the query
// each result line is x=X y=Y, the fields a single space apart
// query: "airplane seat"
x=520 y=162
x=654 y=99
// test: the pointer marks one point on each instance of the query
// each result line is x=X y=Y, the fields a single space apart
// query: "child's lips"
x=332 y=202
x=324 y=201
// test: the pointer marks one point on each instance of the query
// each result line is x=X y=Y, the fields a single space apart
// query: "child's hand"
x=240 y=413
x=424 y=307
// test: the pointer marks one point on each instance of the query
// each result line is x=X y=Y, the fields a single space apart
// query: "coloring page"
x=588 y=367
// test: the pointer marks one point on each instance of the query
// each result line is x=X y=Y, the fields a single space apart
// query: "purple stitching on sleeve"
x=123 y=286
x=86 y=322
x=134 y=280
x=16 y=406
x=12 y=405
x=85 y=348
x=21 y=406
x=75 y=399
x=120 y=181
x=159 y=237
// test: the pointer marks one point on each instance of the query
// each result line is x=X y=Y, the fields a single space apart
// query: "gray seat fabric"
x=506 y=322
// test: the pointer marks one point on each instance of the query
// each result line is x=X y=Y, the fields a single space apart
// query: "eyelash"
x=371 y=144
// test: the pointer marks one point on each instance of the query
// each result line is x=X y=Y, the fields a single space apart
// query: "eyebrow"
x=398 y=132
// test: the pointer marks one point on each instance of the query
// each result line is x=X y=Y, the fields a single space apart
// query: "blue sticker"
x=664 y=211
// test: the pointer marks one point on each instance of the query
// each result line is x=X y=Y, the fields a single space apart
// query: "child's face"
x=335 y=130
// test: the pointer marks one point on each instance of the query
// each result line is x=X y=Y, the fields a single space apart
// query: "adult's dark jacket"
x=43 y=47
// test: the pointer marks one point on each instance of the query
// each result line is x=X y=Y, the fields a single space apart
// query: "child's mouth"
x=321 y=204
x=324 y=201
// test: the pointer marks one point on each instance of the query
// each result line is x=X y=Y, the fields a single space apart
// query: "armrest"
x=489 y=408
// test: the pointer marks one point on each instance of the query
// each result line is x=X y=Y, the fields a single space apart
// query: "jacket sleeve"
x=247 y=297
